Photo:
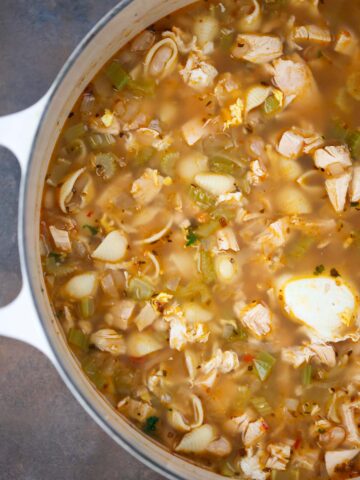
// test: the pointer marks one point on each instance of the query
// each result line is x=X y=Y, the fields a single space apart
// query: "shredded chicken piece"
x=226 y=239
x=279 y=456
x=135 y=409
x=182 y=333
x=147 y=187
x=223 y=362
x=251 y=466
x=323 y=157
x=109 y=340
x=313 y=34
x=296 y=356
x=61 y=239
x=257 y=48
x=274 y=236
x=337 y=188
x=197 y=73
x=290 y=144
x=291 y=77
x=220 y=447
x=254 y=432
x=256 y=317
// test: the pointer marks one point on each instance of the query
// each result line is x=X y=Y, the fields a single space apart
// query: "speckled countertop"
x=44 y=433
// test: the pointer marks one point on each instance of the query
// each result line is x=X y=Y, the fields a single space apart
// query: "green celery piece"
x=219 y=164
x=271 y=105
x=194 y=289
x=202 y=198
x=307 y=373
x=77 y=338
x=92 y=230
x=264 y=363
x=58 y=172
x=168 y=162
x=87 y=307
x=206 y=229
x=93 y=369
x=207 y=267
x=99 y=141
x=139 y=289
x=144 y=156
x=117 y=75
x=300 y=247
x=353 y=141
x=142 y=87
x=261 y=405
x=74 y=132
x=105 y=164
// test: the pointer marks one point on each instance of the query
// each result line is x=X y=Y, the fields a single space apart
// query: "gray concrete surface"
x=44 y=433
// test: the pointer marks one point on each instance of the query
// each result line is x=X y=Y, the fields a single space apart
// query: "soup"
x=200 y=236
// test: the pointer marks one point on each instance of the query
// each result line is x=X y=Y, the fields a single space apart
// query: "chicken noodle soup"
x=200 y=236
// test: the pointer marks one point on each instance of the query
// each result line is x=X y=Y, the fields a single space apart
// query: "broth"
x=200 y=235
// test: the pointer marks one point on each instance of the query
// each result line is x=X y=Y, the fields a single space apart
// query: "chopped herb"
x=58 y=257
x=92 y=230
x=240 y=334
x=334 y=273
x=319 y=269
x=150 y=424
x=191 y=237
x=321 y=430
x=354 y=204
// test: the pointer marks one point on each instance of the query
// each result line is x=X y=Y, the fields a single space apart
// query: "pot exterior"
x=127 y=19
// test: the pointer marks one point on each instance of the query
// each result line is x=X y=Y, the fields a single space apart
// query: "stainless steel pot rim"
x=23 y=247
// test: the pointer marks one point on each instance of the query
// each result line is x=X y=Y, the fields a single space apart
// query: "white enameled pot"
x=30 y=318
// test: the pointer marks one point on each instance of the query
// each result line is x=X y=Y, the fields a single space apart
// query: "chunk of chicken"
x=296 y=356
x=355 y=185
x=182 y=333
x=135 y=409
x=222 y=362
x=291 y=77
x=226 y=239
x=147 y=187
x=109 y=340
x=194 y=130
x=257 y=318
x=323 y=157
x=337 y=189
x=290 y=144
x=274 y=236
x=279 y=456
x=254 y=432
x=61 y=238
x=338 y=458
x=347 y=412
x=257 y=48
x=312 y=33
x=220 y=447
x=197 y=73
x=251 y=466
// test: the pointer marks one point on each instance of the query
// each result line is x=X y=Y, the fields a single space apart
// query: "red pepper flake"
x=90 y=214
x=297 y=443
x=265 y=426
x=247 y=357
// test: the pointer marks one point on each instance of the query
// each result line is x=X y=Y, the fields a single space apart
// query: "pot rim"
x=139 y=454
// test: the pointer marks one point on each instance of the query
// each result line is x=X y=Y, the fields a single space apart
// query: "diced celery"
x=123 y=380
x=264 y=363
x=77 y=149
x=226 y=39
x=201 y=198
x=307 y=373
x=353 y=85
x=207 y=267
x=168 y=162
x=117 y=75
x=94 y=370
x=139 y=289
x=144 y=156
x=353 y=141
x=194 y=289
x=87 y=307
x=206 y=229
x=220 y=164
x=261 y=405
x=74 y=132
x=77 y=338
x=105 y=164
x=55 y=265
x=142 y=87
x=99 y=141
x=271 y=105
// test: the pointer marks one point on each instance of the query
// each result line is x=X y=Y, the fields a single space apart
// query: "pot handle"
x=19 y=319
